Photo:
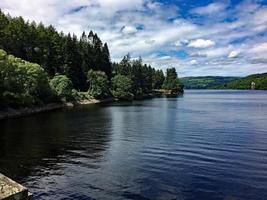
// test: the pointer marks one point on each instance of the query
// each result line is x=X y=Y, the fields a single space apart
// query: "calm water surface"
x=205 y=145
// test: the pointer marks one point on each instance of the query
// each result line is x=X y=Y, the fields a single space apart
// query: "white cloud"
x=121 y=5
x=260 y=48
x=129 y=30
x=193 y=62
x=209 y=9
x=165 y=58
x=233 y=54
x=218 y=52
x=150 y=41
x=142 y=28
x=260 y=16
x=258 y=61
x=198 y=54
x=178 y=43
x=201 y=43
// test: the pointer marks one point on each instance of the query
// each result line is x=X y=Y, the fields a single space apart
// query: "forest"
x=245 y=83
x=39 y=65
x=206 y=82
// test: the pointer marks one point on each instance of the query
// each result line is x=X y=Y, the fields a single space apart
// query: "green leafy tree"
x=144 y=78
x=157 y=79
x=58 y=53
x=22 y=83
x=106 y=63
x=124 y=67
x=3 y=24
x=137 y=77
x=99 y=84
x=3 y=69
x=73 y=62
x=62 y=86
x=122 y=87
x=54 y=51
x=171 y=81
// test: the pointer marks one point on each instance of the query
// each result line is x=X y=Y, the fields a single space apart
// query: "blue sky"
x=197 y=37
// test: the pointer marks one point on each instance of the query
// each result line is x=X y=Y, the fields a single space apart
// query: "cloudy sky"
x=198 y=37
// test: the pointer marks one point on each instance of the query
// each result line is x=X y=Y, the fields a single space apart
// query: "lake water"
x=205 y=145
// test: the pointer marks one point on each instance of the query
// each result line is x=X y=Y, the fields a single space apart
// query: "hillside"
x=205 y=82
x=260 y=81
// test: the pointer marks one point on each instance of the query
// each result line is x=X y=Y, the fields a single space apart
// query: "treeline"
x=143 y=77
x=254 y=81
x=23 y=83
x=68 y=68
x=56 y=52
x=206 y=82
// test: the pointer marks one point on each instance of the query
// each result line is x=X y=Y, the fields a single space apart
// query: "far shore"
x=21 y=112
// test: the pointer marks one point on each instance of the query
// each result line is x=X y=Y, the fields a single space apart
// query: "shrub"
x=122 y=87
x=63 y=87
x=99 y=84
x=172 y=82
x=22 y=83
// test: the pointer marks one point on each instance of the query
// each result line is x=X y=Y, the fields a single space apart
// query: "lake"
x=205 y=145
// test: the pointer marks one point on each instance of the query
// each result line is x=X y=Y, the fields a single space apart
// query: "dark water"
x=205 y=145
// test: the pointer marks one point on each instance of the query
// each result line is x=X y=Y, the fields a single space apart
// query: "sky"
x=197 y=37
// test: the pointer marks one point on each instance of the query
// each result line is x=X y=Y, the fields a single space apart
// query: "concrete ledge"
x=10 y=190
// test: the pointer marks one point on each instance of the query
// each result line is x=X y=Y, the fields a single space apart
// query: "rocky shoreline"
x=14 y=113
x=21 y=112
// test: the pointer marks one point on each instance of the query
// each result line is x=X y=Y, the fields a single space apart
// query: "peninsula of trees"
x=39 y=65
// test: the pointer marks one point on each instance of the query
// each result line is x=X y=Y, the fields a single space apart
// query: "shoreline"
x=11 y=113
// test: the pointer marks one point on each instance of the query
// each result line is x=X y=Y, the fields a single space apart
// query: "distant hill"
x=206 y=82
x=260 y=81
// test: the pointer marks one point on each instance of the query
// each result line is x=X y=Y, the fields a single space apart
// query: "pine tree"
x=171 y=81
x=106 y=61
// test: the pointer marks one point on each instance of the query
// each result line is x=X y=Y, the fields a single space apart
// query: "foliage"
x=82 y=95
x=260 y=81
x=84 y=65
x=54 y=51
x=144 y=78
x=79 y=96
x=22 y=83
x=122 y=87
x=99 y=84
x=63 y=87
x=172 y=82
x=157 y=79
x=205 y=82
